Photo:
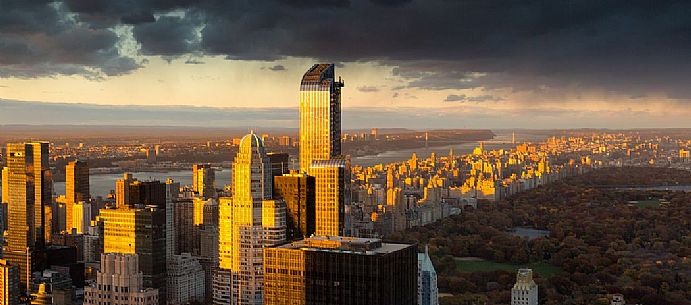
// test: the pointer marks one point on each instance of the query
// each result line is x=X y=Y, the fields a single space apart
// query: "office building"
x=327 y=270
x=130 y=192
x=29 y=192
x=9 y=283
x=172 y=194
x=248 y=222
x=185 y=280
x=332 y=194
x=427 y=290
x=120 y=282
x=76 y=189
x=320 y=115
x=142 y=231
x=298 y=193
x=280 y=163
x=203 y=180
x=81 y=216
x=524 y=292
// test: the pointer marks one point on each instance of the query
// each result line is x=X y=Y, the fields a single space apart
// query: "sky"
x=405 y=63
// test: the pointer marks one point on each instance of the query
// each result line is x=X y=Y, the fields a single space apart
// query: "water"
x=501 y=140
x=102 y=184
x=529 y=233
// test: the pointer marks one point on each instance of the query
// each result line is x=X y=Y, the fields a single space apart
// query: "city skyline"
x=539 y=65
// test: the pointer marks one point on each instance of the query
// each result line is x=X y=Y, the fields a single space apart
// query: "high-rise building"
x=130 y=192
x=298 y=193
x=332 y=185
x=76 y=189
x=81 y=216
x=248 y=222
x=5 y=184
x=320 y=115
x=340 y=270
x=280 y=163
x=172 y=194
x=185 y=280
x=9 y=283
x=524 y=292
x=139 y=230
x=29 y=192
x=203 y=180
x=427 y=291
x=120 y=282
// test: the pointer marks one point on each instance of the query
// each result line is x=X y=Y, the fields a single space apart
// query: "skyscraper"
x=248 y=222
x=9 y=283
x=524 y=292
x=138 y=226
x=427 y=291
x=298 y=192
x=29 y=191
x=326 y=270
x=320 y=115
x=203 y=180
x=120 y=282
x=76 y=189
x=332 y=194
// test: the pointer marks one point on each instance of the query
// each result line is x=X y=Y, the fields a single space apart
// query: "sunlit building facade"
x=332 y=195
x=320 y=115
x=203 y=180
x=247 y=223
x=139 y=231
x=29 y=193
x=76 y=189
x=298 y=193
x=328 y=270
x=9 y=283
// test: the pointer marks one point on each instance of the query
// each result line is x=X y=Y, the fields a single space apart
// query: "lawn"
x=475 y=265
x=647 y=203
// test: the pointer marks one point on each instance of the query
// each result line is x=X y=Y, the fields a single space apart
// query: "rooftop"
x=342 y=244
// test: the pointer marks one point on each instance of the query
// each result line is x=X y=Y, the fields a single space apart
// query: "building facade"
x=185 y=280
x=524 y=292
x=203 y=180
x=29 y=190
x=427 y=290
x=120 y=282
x=140 y=231
x=320 y=115
x=9 y=283
x=76 y=190
x=340 y=270
x=247 y=223
x=332 y=194
x=298 y=193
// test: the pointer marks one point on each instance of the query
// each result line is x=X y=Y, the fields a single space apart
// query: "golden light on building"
x=332 y=194
x=320 y=115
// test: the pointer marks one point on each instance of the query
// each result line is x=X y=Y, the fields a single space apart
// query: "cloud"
x=277 y=68
x=473 y=99
x=629 y=47
x=368 y=89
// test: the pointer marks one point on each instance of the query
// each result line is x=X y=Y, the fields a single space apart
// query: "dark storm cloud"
x=277 y=68
x=633 y=46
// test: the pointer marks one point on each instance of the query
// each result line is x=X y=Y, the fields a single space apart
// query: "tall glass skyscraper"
x=248 y=222
x=29 y=188
x=320 y=115
x=76 y=189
